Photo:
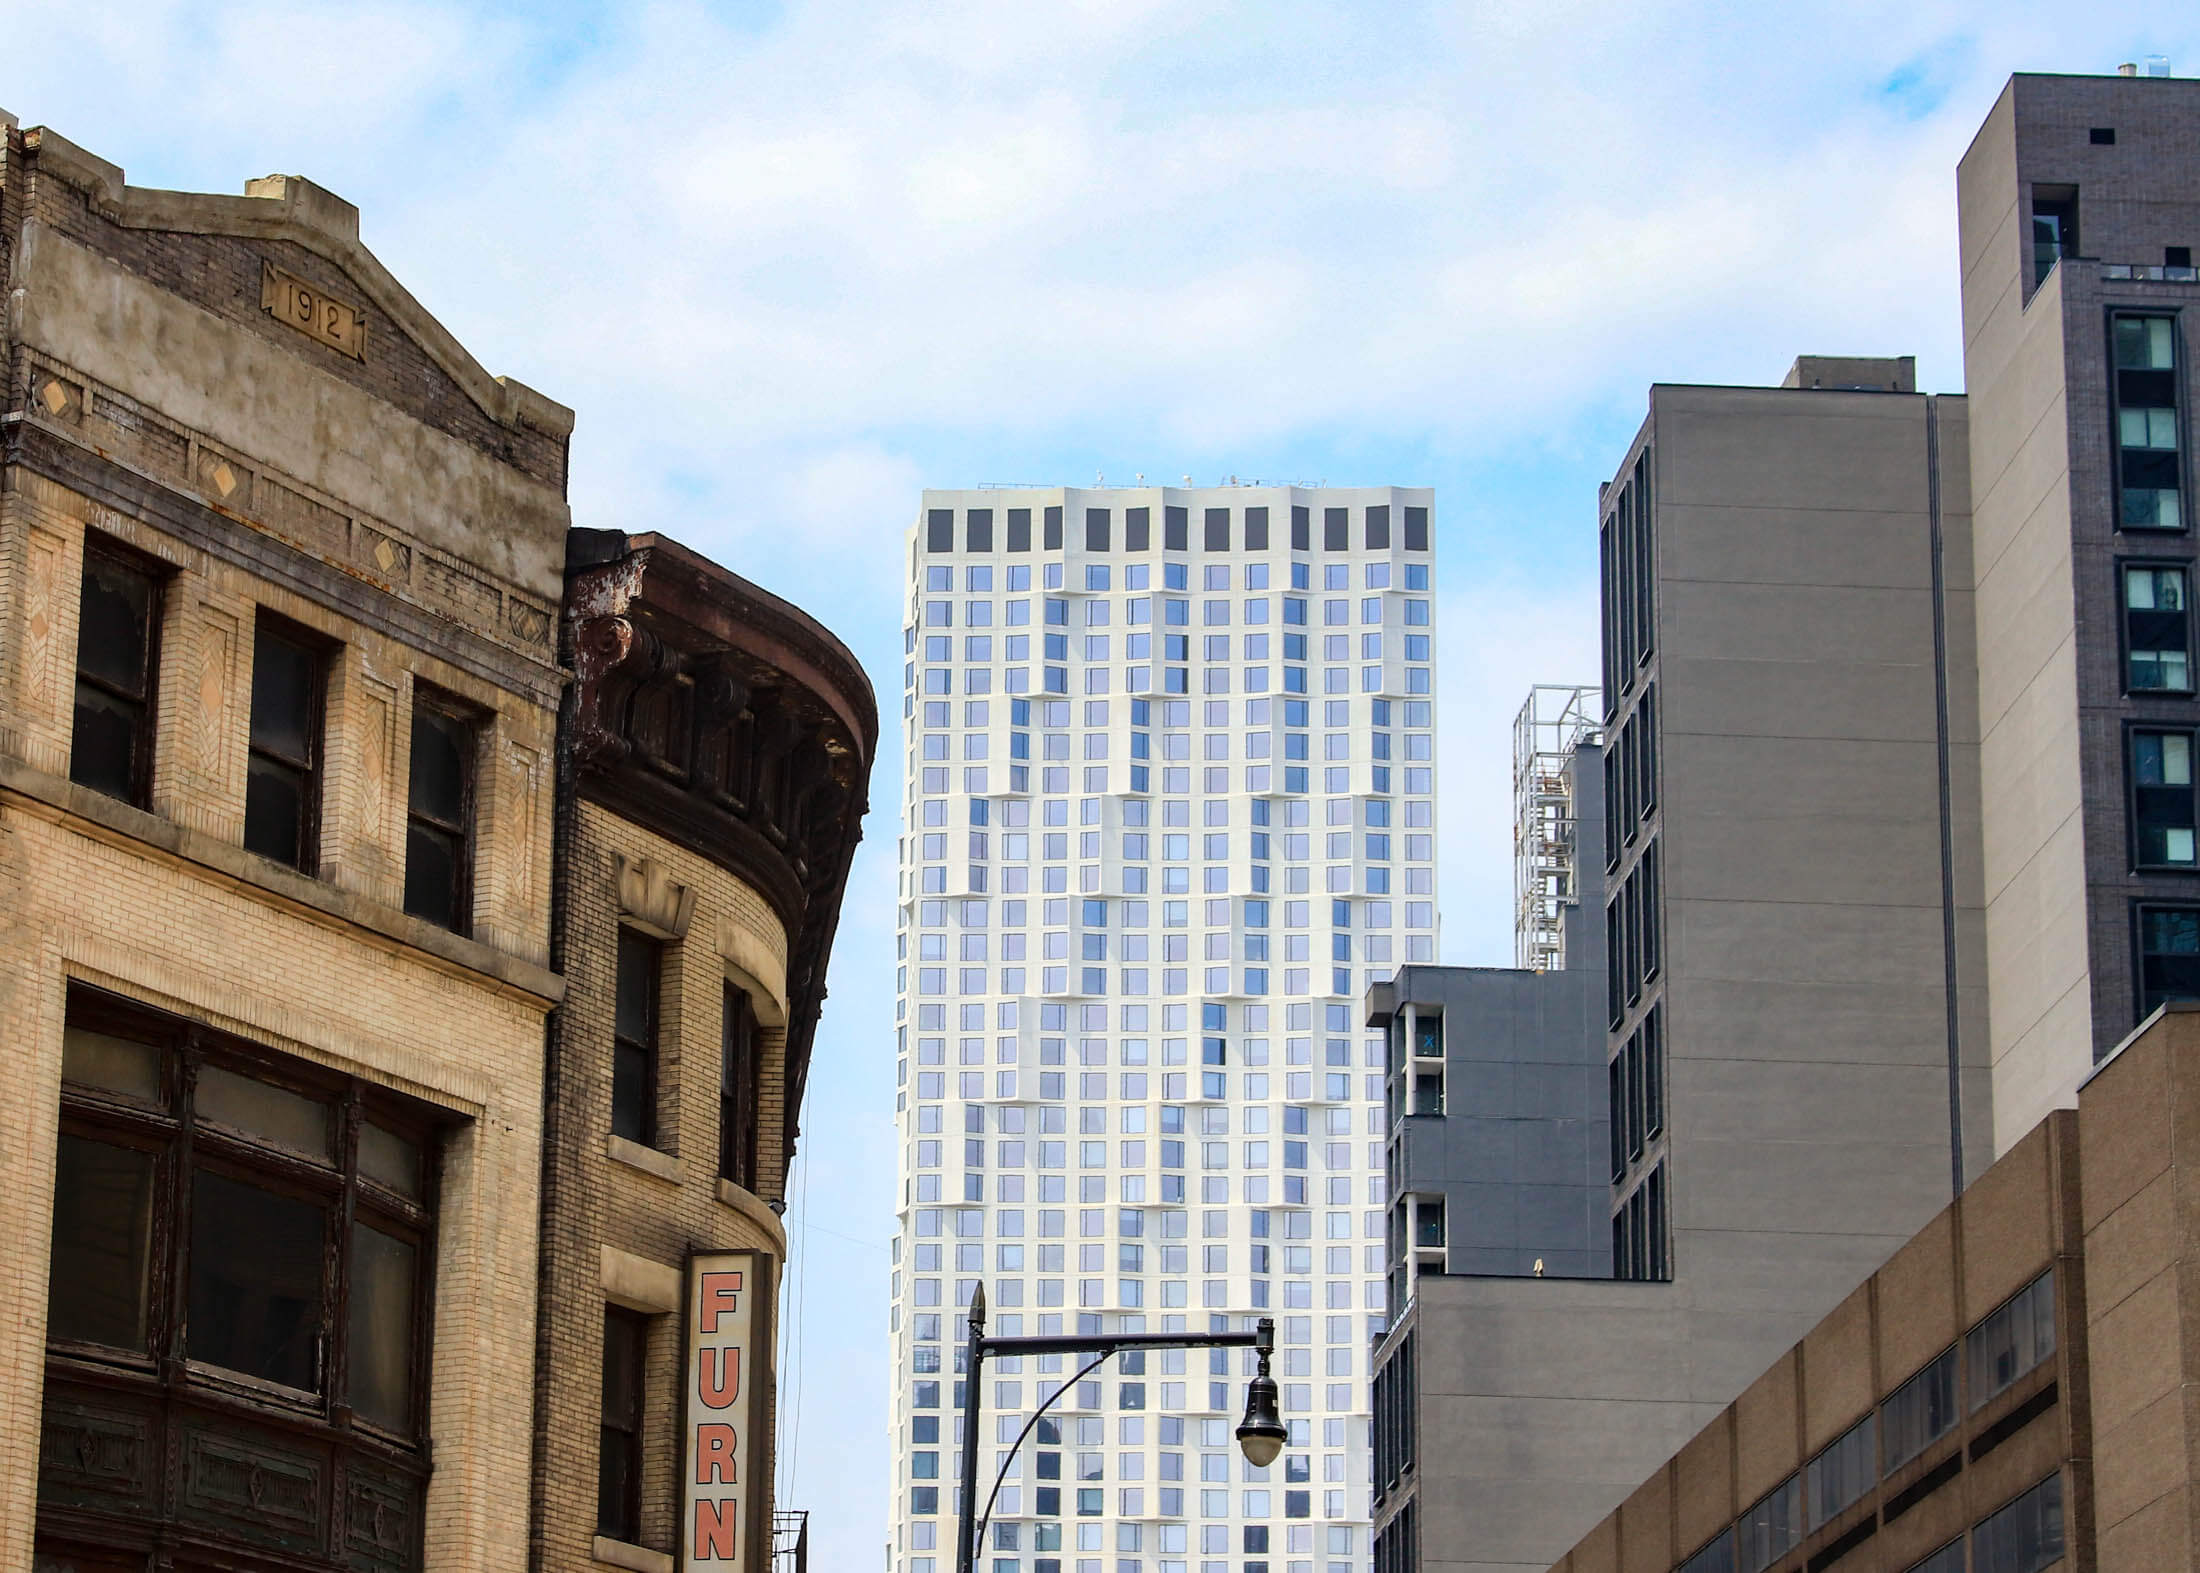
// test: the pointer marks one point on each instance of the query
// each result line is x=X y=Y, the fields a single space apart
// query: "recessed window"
x=1921 y=1411
x=2162 y=808
x=2169 y=955
x=2054 y=228
x=2176 y=256
x=2157 y=630
x=1771 y=1528
x=1948 y=1559
x=1838 y=1477
x=439 y=813
x=117 y=635
x=2148 y=458
x=2102 y=136
x=2024 y=1537
x=634 y=1045
x=2012 y=1340
x=738 y=1062
x=192 y=1163
x=282 y=793
x=619 y=1439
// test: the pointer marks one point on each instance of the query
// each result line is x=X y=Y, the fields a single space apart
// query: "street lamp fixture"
x=1261 y=1434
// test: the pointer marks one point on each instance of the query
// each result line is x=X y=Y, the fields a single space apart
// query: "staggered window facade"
x=1169 y=810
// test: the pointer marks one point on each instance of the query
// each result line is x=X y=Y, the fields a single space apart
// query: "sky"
x=793 y=262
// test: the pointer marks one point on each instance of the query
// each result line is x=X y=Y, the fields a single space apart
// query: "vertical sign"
x=723 y=1484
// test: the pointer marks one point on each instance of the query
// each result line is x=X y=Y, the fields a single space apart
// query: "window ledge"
x=636 y=1559
x=137 y=829
x=657 y=1165
x=754 y=1208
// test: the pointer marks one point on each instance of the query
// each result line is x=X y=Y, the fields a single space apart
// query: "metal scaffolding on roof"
x=1551 y=725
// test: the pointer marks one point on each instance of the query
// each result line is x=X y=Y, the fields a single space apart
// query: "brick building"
x=327 y=1185
x=721 y=741
x=2012 y=1386
x=279 y=572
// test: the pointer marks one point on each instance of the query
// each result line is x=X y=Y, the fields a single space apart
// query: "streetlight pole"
x=1260 y=1434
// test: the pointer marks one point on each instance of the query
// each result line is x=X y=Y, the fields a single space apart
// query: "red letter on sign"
x=720 y=1291
x=717 y=1376
x=714 y=1462
x=714 y=1531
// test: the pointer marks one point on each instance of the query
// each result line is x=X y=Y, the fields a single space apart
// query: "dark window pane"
x=112 y=1064
x=618 y=1456
x=285 y=697
x=442 y=747
x=271 y=1113
x=103 y=751
x=1843 y=1472
x=390 y=1159
x=114 y=631
x=1921 y=1411
x=637 y=998
x=630 y=1092
x=382 y=1301
x=274 y=810
x=2023 y=1537
x=255 y=1293
x=737 y=1091
x=2169 y=955
x=431 y=874
x=102 y=1221
x=2012 y=1340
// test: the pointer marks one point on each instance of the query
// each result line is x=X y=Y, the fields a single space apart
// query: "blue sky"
x=792 y=262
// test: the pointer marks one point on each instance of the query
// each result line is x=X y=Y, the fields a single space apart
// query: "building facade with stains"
x=413 y=925
x=279 y=572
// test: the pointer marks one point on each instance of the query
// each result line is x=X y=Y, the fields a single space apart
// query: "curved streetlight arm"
x=993 y=1496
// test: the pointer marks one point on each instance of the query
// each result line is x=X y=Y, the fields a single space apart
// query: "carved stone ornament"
x=648 y=895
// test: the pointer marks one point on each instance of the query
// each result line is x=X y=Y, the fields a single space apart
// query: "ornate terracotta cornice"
x=724 y=719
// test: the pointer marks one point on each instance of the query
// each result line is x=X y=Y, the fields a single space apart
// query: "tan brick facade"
x=604 y=1199
x=720 y=742
x=349 y=477
x=153 y=402
x=2059 y=1295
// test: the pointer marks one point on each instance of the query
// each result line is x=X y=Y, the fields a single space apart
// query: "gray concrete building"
x=1496 y=1083
x=2079 y=207
x=1793 y=993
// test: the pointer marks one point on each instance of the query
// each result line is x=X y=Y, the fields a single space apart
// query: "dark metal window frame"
x=619 y=1508
x=457 y=712
x=318 y=650
x=641 y=1121
x=2180 y=393
x=121 y=555
x=2139 y=951
x=740 y=1066
x=184 y=1147
x=2123 y=567
x=2131 y=732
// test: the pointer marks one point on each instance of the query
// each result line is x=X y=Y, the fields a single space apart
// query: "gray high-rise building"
x=1786 y=1017
x=1899 y=733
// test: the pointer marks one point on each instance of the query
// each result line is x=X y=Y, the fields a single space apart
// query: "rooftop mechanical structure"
x=1554 y=722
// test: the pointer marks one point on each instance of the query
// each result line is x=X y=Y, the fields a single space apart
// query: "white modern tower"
x=1169 y=808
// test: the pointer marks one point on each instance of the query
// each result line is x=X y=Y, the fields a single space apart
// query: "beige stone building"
x=721 y=741
x=343 y=1231
x=279 y=572
x=2010 y=1393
